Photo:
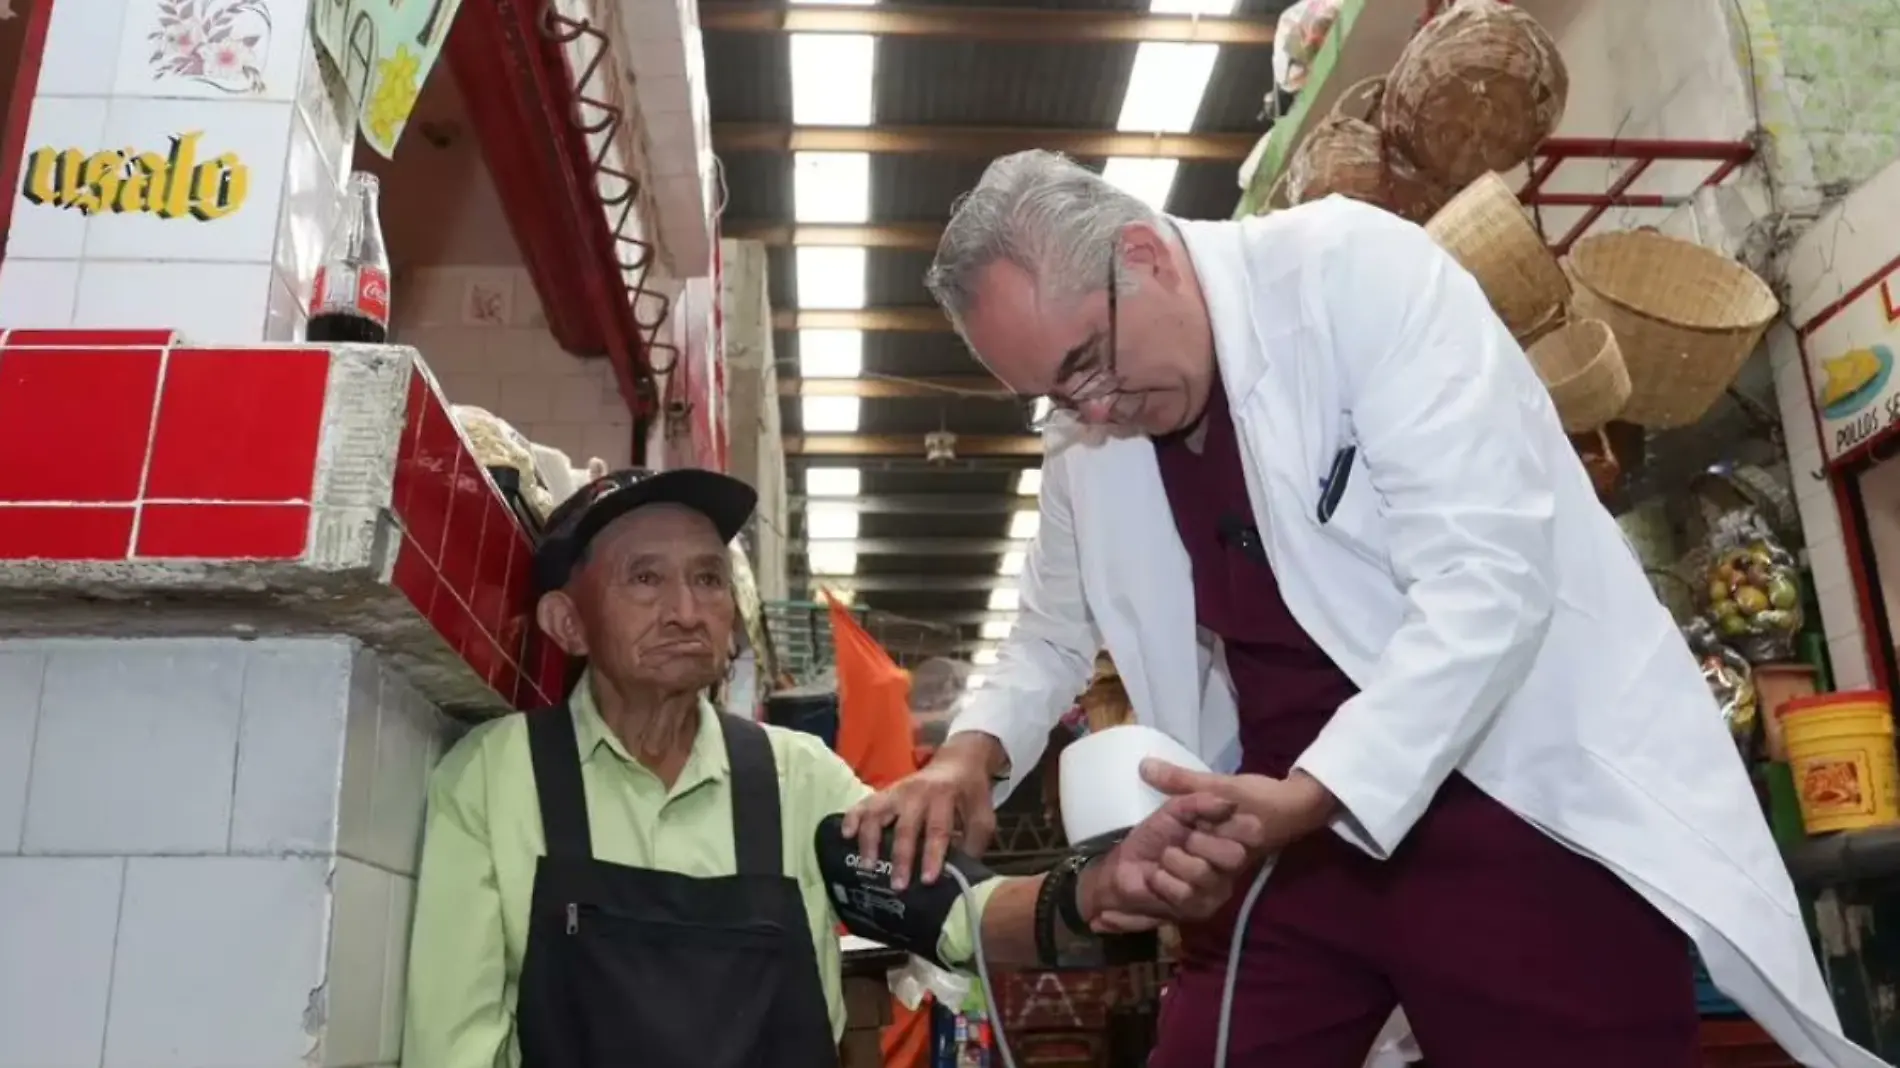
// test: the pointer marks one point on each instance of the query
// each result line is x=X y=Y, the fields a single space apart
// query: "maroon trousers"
x=1505 y=949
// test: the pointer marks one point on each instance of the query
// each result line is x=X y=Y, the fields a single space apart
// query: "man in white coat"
x=1308 y=492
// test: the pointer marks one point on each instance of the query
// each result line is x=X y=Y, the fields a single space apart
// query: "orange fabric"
x=875 y=733
x=877 y=739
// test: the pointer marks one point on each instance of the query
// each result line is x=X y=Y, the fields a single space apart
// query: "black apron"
x=636 y=968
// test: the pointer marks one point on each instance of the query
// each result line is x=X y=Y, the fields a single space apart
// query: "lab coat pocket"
x=1348 y=508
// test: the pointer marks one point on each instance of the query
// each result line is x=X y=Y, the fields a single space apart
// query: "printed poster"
x=1851 y=359
x=385 y=49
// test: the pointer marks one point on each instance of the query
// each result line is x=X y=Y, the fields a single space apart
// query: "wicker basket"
x=1685 y=316
x=1583 y=369
x=1347 y=155
x=1485 y=229
x=1477 y=89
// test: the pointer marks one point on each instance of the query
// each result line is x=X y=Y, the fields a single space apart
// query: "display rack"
x=1630 y=160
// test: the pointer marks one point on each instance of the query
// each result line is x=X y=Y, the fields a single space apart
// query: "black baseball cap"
x=723 y=499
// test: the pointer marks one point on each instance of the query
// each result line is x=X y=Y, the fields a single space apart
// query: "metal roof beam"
x=919 y=583
x=920 y=546
x=909 y=445
x=984 y=24
x=914 y=237
x=979 y=141
x=921 y=503
x=885 y=388
x=901 y=318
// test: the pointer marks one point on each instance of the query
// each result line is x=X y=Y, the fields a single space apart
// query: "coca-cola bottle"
x=351 y=302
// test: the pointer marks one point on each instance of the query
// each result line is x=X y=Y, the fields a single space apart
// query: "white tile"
x=22 y=673
x=527 y=303
x=487 y=298
x=136 y=748
x=525 y=399
x=290 y=747
x=1847 y=653
x=218 y=961
x=402 y=909
x=209 y=303
x=312 y=200
x=1820 y=520
x=577 y=398
x=80 y=39
x=359 y=949
x=41 y=228
x=284 y=315
x=240 y=157
x=354 y=828
x=38 y=293
x=407 y=739
x=228 y=50
x=61 y=918
x=1840 y=609
x=432 y=297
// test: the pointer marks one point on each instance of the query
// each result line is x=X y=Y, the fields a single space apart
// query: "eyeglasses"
x=1097 y=381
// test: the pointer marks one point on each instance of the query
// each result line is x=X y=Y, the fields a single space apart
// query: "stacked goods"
x=1347 y=155
x=1477 y=89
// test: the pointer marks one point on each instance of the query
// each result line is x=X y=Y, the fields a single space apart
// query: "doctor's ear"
x=1147 y=250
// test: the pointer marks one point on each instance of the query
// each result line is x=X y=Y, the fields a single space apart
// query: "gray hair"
x=1042 y=212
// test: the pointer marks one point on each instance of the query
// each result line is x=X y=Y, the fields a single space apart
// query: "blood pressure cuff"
x=910 y=919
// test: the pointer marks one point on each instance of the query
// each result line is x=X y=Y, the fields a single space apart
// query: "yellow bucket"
x=1840 y=748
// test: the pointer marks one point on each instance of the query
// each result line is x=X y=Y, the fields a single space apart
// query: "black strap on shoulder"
x=557 y=782
x=756 y=825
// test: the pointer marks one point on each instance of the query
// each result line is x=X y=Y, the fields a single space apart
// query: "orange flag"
x=876 y=737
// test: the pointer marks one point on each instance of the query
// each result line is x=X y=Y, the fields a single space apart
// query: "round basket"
x=1477 y=89
x=1685 y=316
x=1583 y=369
x=1486 y=230
x=1346 y=154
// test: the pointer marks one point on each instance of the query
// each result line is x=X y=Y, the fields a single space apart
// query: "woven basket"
x=1347 y=155
x=1477 y=89
x=1685 y=316
x=1583 y=369
x=1485 y=229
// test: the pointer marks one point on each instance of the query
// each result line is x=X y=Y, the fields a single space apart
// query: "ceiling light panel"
x=1147 y=180
x=1029 y=483
x=832 y=78
x=830 y=353
x=831 y=278
x=831 y=187
x=832 y=559
x=830 y=415
x=1165 y=87
x=834 y=482
x=1011 y=564
x=996 y=632
x=983 y=657
x=977 y=680
x=830 y=523
x=1180 y=7
x=1006 y=599
x=1023 y=525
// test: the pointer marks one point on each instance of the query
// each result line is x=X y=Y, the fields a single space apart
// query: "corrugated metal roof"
x=921 y=81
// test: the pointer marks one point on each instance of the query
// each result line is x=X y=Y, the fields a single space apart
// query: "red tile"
x=415 y=576
x=223 y=531
x=468 y=512
x=239 y=425
x=430 y=485
x=65 y=533
x=74 y=423
x=116 y=339
x=450 y=618
x=492 y=603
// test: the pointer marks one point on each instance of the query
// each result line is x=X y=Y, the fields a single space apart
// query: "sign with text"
x=174 y=184
x=384 y=50
x=1851 y=368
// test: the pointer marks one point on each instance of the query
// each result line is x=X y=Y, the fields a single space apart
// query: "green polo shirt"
x=484 y=836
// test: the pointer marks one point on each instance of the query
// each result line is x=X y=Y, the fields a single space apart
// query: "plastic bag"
x=919 y=977
x=1730 y=677
x=1753 y=591
x=1302 y=30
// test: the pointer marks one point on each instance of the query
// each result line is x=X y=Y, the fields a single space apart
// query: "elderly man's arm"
x=457 y=1012
x=1453 y=426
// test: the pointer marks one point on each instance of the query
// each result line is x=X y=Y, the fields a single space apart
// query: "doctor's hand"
x=1287 y=809
x=1180 y=863
x=952 y=790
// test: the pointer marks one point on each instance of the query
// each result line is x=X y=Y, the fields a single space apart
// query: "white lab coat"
x=1488 y=608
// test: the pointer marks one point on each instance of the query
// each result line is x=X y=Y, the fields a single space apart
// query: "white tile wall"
x=511 y=366
x=237 y=904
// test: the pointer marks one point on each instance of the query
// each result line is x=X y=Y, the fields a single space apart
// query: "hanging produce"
x=1347 y=155
x=1685 y=316
x=1730 y=677
x=1753 y=589
x=1477 y=89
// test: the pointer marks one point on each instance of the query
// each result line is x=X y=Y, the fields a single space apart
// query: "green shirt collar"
x=706 y=763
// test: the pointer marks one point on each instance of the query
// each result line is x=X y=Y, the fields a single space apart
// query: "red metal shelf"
x=1723 y=158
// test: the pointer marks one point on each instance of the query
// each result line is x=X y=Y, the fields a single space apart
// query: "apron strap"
x=557 y=782
x=756 y=826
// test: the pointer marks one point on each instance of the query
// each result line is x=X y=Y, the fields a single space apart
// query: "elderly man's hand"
x=1180 y=863
x=928 y=806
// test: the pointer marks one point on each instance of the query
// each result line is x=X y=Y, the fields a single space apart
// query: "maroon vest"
x=1287 y=686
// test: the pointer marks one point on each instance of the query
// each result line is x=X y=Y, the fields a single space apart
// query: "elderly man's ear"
x=555 y=614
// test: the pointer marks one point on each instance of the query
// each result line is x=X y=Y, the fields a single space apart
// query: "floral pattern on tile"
x=220 y=43
x=488 y=302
